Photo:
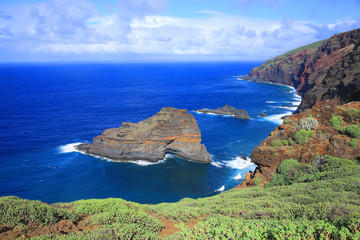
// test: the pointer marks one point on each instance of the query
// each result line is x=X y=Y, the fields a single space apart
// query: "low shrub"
x=353 y=142
x=336 y=122
x=302 y=136
x=276 y=143
x=354 y=112
x=15 y=211
x=352 y=131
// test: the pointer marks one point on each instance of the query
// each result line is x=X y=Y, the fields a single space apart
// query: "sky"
x=166 y=30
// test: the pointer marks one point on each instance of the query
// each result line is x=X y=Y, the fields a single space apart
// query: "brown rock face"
x=330 y=71
x=326 y=140
x=169 y=131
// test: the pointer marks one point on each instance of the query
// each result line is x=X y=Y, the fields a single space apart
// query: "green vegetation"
x=336 y=122
x=303 y=201
x=302 y=136
x=353 y=143
x=286 y=120
x=17 y=212
x=276 y=143
x=278 y=59
x=355 y=112
x=352 y=131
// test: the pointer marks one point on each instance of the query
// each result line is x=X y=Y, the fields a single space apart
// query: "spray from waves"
x=239 y=163
x=277 y=118
x=237 y=177
x=216 y=164
x=68 y=148
x=236 y=163
x=221 y=189
x=144 y=163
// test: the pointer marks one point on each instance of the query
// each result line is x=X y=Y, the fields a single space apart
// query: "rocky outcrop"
x=171 y=130
x=226 y=110
x=326 y=140
x=319 y=71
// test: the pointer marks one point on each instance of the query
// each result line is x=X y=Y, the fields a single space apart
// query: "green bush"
x=354 y=112
x=308 y=123
x=351 y=131
x=291 y=142
x=276 y=143
x=331 y=163
x=15 y=211
x=285 y=142
x=286 y=120
x=302 y=136
x=353 y=142
x=336 y=122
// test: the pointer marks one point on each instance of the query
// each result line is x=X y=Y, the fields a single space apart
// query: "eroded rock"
x=171 y=130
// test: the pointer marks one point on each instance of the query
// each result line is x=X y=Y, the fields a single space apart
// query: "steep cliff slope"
x=328 y=71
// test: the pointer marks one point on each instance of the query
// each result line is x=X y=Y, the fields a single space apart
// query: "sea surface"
x=46 y=109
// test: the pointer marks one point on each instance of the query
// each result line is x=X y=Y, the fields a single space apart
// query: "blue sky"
x=166 y=30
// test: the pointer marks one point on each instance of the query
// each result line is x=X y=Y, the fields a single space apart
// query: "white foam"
x=68 y=148
x=277 y=118
x=221 y=189
x=145 y=163
x=205 y=113
x=216 y=164
x=292 y=108
x=237 y=177
x=239 y=163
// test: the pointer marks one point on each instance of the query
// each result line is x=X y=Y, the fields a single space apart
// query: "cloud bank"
x=70 y=28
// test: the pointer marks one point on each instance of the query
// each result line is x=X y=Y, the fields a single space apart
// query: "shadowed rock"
x=169 y=131
x=226 y=110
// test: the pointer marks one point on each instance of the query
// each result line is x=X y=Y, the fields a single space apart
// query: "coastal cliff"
x=328 y=79
x=171 y=130
x=328 y=69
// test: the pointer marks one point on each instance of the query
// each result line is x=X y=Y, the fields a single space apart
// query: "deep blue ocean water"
x=46 y=108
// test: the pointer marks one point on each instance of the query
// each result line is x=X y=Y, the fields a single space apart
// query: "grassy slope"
x=274 y=61
x=323 y=204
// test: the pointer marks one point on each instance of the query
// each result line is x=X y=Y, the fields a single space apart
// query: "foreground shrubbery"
x=319 y=200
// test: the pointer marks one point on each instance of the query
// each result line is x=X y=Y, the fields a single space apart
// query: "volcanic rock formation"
x=171 y=130
x=226 y=110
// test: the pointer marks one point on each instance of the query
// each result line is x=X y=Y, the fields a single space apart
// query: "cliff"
x=169 y=131
x=327 y=69
x=310 y=135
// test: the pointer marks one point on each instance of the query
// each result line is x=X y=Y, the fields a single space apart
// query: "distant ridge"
x=327 y=69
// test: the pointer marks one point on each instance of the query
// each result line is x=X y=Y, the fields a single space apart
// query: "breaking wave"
x=68 y=148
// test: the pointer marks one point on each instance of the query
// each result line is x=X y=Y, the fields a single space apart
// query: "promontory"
x=171 y=130
x=226 y=110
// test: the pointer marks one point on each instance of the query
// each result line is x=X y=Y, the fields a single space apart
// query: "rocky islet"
x=171 y=130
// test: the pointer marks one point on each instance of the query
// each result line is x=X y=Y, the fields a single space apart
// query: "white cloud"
x=71 y=28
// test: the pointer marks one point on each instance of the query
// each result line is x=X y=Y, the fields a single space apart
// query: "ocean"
x=46 y=109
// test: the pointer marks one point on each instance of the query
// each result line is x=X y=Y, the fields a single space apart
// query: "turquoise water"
x=47 y=108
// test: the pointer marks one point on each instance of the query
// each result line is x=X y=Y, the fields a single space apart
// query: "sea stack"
x=171 y=130
x=226 y=110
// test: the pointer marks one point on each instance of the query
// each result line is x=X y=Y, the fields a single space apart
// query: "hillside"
x=318 y=71
x=304 y=201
